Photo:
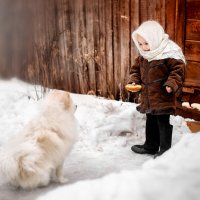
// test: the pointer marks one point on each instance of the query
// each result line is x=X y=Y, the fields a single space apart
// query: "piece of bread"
x=133 y=88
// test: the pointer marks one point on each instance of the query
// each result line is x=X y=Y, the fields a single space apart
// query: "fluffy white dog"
x=36 y=155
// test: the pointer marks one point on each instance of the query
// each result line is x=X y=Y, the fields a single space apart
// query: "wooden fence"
x=79 y=45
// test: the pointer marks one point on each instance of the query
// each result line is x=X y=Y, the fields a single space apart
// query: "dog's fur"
x=36 y=155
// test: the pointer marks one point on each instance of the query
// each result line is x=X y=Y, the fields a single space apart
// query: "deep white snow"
x=101 y=165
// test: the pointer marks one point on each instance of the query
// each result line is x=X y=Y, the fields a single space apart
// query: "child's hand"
x=169 y=89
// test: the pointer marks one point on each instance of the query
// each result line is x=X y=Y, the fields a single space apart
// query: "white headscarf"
x=161 y=46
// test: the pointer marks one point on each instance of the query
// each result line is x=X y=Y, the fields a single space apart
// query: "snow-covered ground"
x=101 y=165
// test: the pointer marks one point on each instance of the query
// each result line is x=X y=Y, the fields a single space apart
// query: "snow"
x=101 y=164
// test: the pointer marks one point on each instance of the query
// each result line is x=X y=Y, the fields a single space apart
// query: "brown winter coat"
x=154 y=76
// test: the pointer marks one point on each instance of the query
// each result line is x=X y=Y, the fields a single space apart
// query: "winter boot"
x=165 y=129
x=142 y=150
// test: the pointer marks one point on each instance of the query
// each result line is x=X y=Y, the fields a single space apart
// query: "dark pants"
x=158 y=132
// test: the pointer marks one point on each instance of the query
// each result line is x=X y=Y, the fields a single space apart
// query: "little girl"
x=160 y=70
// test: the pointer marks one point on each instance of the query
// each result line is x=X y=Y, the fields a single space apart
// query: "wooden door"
x=192 y=43
x=191 y=89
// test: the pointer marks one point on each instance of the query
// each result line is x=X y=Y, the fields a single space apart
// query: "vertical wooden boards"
x=80 y=45
x=121 y=45
x=65 y=44
x=192 y=38
x=100 y=58
x=152 y=10
x=86 y=45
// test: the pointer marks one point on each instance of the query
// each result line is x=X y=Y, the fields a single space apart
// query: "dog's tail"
x=8 y=165
x=19 y=162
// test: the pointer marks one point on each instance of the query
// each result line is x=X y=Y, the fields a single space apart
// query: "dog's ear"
x=66 y=100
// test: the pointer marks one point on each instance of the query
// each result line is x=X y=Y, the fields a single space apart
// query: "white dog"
x=36 y=155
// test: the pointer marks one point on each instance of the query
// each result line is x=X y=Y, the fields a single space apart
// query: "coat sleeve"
x=176 y=74
x=134 y=75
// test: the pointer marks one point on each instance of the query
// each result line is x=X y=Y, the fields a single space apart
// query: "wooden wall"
x=80 y=45
x=15 y=36
x=191 y=89
x=192 y=43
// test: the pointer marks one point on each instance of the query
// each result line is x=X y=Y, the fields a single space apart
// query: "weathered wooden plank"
x=160 y=12
x=192 y=74
x=192 y=50
x=109 y=48
x=80 y=45
x=193 y=29
x=116 y=46
x=125 y=48
x=96 y=43
x=193 y=9
x=99 y=47
x=170 y=8
x=134 y=23
x=180 y=23
x=65 y=44
x=188 y=113
x=3 y=41
x=90 y=54
x=102 y=84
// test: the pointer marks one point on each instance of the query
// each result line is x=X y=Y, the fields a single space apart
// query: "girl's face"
x=143 y=43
